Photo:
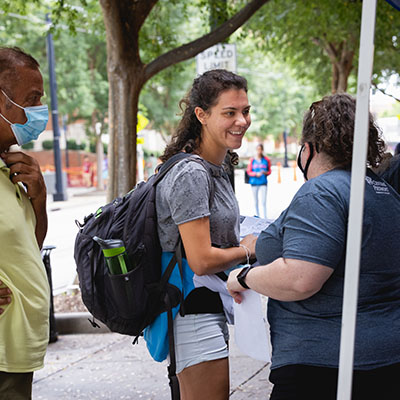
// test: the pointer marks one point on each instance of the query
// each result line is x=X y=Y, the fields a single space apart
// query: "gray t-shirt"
x=314 y=228
x=183 y=196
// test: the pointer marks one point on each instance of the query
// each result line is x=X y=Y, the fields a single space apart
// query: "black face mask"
x=305 y=169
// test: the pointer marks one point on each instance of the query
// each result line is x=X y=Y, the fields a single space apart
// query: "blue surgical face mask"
x=37 y=118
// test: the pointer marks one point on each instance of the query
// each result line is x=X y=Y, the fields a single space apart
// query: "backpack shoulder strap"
x=167 y=165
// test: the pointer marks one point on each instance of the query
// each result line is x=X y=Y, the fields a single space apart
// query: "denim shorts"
x=199 y=338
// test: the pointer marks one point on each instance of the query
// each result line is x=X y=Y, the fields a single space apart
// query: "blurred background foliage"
x=283 y=51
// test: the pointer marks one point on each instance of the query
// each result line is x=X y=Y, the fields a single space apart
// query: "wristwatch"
x=242 y=276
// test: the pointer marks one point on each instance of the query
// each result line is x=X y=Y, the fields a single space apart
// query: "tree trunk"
x=123 y=108
x=122 y=20
x=342 y=63
x=346 y=65
x=342 y=82
x=335 y=78
x=341 y=56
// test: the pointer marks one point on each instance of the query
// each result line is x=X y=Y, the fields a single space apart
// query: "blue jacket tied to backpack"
x=156 y=334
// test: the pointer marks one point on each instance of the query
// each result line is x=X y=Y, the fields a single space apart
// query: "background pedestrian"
x=258 y=169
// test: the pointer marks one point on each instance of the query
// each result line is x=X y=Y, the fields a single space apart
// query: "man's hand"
x=234 y=287
x=25 y=169
x=5 y=297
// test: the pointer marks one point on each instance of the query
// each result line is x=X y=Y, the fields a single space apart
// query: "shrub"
x=47 y=144
x=92 y=147
x=72 y=145
x=28 y=146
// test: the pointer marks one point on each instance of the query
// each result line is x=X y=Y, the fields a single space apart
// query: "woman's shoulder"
x=336 y=179
x=334 y=183
x=188 y=165
x=186 y=172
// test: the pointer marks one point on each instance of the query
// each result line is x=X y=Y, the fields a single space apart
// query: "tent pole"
x=354 y=233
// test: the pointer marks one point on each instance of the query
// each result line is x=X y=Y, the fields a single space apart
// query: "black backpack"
x=127 y=303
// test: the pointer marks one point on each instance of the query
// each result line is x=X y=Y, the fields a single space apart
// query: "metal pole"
x=64 y=121
x=285 y=164
x=53 y=334
x=60 y=194
x=358 y=169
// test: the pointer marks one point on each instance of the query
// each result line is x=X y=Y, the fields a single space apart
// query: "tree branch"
x=332 y=52
x=317 y=41
x=123 y=19
x=143 y=9
x=328 y=47
x=193 y=48
x=384 y=92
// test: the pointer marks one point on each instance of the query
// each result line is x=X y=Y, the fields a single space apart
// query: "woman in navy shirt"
x=302 y=256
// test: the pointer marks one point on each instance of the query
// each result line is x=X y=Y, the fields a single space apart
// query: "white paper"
x=253 y=225
x=251 y=330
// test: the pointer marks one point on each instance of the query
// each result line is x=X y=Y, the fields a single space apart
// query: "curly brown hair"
x=329 y=125
x=204 y=93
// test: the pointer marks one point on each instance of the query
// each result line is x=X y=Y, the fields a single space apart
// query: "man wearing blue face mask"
x=24 y=290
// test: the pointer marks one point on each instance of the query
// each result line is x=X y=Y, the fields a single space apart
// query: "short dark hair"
x=204 y=93
x=10 y=58
x=329 y=125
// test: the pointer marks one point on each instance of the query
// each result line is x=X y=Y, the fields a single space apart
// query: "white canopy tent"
x=354 y=232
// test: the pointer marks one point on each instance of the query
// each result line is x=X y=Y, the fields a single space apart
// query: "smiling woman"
x=216 y=116
x=217 y=100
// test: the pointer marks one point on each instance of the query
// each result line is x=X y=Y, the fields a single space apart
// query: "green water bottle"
x=115 y=254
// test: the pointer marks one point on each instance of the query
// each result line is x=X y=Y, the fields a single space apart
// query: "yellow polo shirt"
x=24 y=324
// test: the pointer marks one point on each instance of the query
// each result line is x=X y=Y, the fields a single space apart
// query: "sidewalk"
x=108 y=366
x=63 y=230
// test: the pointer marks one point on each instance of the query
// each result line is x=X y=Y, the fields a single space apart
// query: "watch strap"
x=242 y=276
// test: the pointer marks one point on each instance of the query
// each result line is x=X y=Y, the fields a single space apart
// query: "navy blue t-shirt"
x=314 y=228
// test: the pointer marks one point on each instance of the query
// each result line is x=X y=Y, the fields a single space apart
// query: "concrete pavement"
x=108 y=366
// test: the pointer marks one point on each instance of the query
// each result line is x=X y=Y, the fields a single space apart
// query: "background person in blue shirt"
x=302 y=257
x=258 y=169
